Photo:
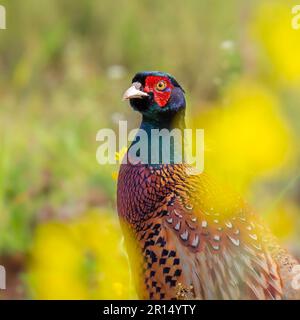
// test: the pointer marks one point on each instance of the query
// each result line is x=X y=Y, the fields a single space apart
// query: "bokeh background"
x=64 y=65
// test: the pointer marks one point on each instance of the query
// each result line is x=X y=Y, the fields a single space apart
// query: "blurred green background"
x=64 y=65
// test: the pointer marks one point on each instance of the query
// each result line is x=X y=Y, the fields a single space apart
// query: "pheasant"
x=187 y=237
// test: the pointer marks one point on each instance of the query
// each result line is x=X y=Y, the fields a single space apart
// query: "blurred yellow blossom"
x=114 y=175
x=119 y=155
x=82 y=259
x=245 y=134
x=272 y=27
x=283 y=220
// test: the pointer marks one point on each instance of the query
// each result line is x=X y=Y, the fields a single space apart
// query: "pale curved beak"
x=134 y=92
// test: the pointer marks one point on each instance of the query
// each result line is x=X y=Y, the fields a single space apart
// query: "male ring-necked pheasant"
x=187 y=237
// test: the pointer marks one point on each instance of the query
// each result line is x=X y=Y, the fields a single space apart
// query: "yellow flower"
x=80 y=260
x=272 y=27
x=283 y=220
x=245 y=136
x=115 y=175
x=119 y=155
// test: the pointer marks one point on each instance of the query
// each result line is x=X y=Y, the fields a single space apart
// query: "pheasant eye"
x=161 y=85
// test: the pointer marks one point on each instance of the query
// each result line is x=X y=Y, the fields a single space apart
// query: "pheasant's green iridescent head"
x=155 y=94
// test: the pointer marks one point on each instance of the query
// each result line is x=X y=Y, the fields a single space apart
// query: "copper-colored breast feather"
x=196 y=240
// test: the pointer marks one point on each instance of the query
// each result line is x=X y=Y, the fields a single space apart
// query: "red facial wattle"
x=161 y=97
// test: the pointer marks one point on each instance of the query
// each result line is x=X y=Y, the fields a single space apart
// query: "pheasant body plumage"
x=189 y=238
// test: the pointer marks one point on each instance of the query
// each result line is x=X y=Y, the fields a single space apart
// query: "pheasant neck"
x=164 y=139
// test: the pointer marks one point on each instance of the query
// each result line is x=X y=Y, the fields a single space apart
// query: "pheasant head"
x=157 y=96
